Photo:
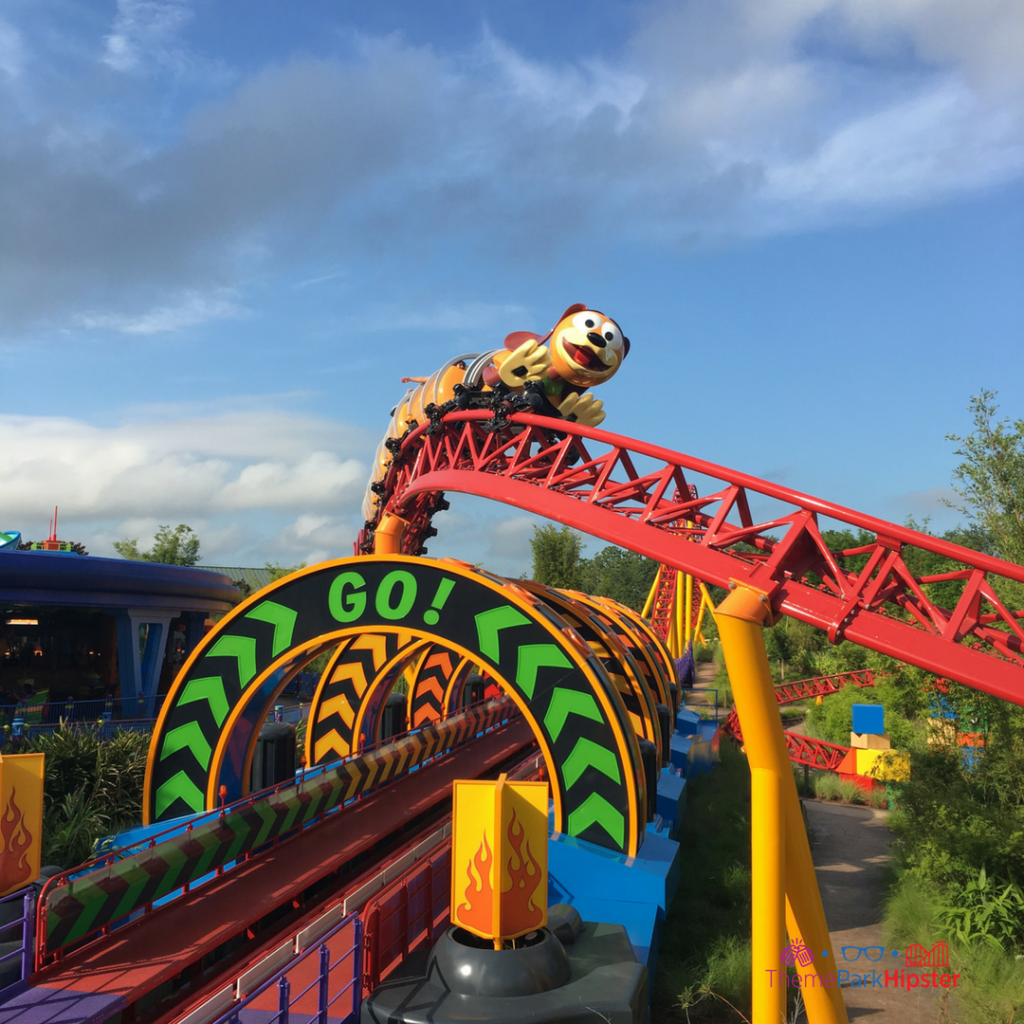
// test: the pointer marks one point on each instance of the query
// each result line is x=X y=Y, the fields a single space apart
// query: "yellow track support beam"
x=388 y=535
x=781 y=854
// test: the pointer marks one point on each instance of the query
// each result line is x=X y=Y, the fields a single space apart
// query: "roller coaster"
x=230 y=891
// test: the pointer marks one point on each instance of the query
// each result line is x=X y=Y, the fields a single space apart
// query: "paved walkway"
x=851 y=849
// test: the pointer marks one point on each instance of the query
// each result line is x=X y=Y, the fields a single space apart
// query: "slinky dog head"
x=586 y=346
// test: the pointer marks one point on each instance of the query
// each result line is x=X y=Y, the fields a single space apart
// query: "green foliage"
x=991 y=984
x=832 y=720
x=620 y=574
x=278 y=571
x=557 y=554
x=92 y=788
x=953 y=822
x=990 y=480
x=179 y=546
x=988 y=910
x=613 y=572
x=705 y=954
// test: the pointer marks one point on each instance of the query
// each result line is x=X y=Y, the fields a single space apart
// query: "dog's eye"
x=586 y=321
x=612 y=334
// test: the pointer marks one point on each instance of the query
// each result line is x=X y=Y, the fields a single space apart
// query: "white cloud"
x=144 y=32
x=190 y=310
x=185 y=469
x=12 y=54
x=739 y=117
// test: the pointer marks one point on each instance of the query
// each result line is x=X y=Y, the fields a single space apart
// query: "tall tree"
x=557 y=556
x=990 y=480
x=620 y=574
x=179 y=546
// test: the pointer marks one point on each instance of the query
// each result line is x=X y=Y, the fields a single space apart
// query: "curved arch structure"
x=378 y=612
x=622 y=669
x=637 y=495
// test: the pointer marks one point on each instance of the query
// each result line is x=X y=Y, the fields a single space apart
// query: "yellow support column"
x=767 y=888
x=776 y=838
x=688 y=611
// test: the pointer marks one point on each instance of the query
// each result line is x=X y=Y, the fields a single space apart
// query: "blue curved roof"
x=58 y=578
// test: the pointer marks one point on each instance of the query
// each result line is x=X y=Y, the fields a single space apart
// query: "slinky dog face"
x=587 y=348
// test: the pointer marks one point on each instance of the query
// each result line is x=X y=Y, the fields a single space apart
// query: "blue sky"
x=228 y=228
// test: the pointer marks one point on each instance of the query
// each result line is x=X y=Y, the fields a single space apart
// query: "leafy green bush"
x=827 y=787
x=986 y=909
x=93 y=787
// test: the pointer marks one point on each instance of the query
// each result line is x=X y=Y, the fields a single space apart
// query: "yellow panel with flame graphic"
x=503 y=824
x=21 y=820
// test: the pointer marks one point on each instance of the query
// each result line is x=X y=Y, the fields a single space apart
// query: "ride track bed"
x=94 y=982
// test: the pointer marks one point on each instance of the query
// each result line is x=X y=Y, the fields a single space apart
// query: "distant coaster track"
x=638 y=495
x=807 y=750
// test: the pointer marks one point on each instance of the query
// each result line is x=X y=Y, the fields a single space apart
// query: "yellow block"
x=887 y=765
x=500 y=833
x=21 y=820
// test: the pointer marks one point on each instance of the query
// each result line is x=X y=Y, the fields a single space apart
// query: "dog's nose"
x=595 y=339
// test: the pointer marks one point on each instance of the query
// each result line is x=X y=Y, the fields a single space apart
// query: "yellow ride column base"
x=782 y=864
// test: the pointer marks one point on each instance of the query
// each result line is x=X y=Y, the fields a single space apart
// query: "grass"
x=991 y=985
x=705 y=952
x=704 y=968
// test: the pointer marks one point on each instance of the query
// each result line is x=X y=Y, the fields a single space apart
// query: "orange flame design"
x=16 y=839
x=477 y=911
x=524 y=872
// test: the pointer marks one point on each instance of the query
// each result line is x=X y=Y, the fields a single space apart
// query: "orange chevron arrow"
x=442 y=659
x=352 y=671
x=337 y=706
x=377 y=644
x=331 y=742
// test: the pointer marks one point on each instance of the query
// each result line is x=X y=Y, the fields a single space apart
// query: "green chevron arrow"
x=596 y=809
x=489 y=623
x=585 y=754
x=569 y=702
x=243 y=648
x=281 y=618
x=533 y=657
x=189 y=735
x=210 y=689
x=178 y=787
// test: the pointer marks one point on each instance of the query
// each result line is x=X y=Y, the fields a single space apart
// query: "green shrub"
x=988 y=910
x=93 y=787
x=827 y=787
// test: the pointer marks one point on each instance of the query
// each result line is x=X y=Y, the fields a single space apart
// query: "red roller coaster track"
x=638 y=495
x=805 y=749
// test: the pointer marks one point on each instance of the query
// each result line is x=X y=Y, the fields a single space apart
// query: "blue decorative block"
x=869 y=718
x=671 y=797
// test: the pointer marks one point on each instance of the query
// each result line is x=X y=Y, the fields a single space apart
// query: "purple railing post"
x=28 y=934
x=284 y=992
x=357 y=967
x=325 y=970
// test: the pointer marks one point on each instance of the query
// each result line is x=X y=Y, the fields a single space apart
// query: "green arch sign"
x=207 y=729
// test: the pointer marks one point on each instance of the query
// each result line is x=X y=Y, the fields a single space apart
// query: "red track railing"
x=632 y=494
x=805 y=749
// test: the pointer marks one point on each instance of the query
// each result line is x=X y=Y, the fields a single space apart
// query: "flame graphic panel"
x=21 y=820
x=499 y=857
x=472 y=857
x=524 y=874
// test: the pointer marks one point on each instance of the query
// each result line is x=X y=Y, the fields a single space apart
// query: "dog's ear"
x=625 y=346
x=576 y=307
x=517 y=338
